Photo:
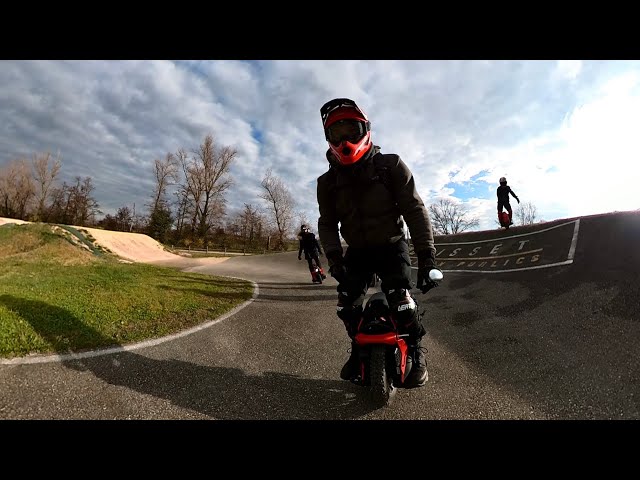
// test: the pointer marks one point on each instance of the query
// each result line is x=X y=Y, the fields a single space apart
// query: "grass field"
x=59 y=294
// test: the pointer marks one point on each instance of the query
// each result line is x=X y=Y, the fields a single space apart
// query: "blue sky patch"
x=472 y=189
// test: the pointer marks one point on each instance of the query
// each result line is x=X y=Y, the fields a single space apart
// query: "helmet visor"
x=348 y=129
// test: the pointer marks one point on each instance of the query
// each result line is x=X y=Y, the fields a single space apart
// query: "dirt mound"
x=135 y=247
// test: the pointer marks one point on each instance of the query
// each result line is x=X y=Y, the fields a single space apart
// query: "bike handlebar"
x=435 y=277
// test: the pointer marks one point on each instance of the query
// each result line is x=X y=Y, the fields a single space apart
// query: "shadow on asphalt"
x=297 y=286
x=326 y=292
x=295 y=298
x=218 y=392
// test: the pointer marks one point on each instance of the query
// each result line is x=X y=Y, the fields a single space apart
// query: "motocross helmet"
x=347 y=129
x=503 y=181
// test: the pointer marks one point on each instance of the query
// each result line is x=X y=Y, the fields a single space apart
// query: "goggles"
x=348 y=129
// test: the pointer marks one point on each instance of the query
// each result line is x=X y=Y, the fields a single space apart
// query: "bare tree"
x=124 y=219
x=449 y=217
x=166 y=174
x=302 y=220
x=160 y=218
x=17 y=189
x=57 y=210
x=280 y=204
x=108 y=222
x=182 y=210
x=526 y=213
x=44 y=176
x=206 y=180
x=250 y=224
x=74 y=205
x=86 y=205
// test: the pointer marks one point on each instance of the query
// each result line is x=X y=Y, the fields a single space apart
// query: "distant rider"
x=503 y=198
x=309 y=243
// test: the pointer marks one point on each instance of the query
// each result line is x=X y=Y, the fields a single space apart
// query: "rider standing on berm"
x=366 y=192
x=503 y=192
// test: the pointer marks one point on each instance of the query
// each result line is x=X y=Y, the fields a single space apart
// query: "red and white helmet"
x=347 y=129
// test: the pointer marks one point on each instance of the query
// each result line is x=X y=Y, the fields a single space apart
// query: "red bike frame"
x=388 y=338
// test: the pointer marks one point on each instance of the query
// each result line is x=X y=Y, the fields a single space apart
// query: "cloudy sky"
x=566 y=134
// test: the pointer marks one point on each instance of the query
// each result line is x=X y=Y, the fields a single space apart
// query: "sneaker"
x=418 y=375
x=350 y=369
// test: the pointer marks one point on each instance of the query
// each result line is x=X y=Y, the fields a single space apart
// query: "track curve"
x=549 y=343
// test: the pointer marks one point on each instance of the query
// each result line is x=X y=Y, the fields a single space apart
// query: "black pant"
x=391 y=262
x=313 y=258
x=505 y=204
x=393 y=265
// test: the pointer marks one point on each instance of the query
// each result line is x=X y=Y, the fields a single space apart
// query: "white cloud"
x=568 y=69
x=563 y=132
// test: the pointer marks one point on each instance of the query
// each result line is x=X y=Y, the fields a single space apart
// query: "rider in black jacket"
x=363 y=197
x=311 y=247
x=503 y=192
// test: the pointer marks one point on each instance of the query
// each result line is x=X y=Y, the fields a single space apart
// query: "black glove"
x=517 y=199
x=299 y=257
x=336 y=266
x=426 y=263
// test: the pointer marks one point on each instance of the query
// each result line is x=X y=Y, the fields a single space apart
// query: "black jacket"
x=309 y=243
x=503 y=192
x=367 y=211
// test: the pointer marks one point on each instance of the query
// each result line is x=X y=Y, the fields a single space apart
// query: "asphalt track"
x=557 y=342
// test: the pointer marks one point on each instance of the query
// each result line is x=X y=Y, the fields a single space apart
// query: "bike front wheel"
x=381 y=383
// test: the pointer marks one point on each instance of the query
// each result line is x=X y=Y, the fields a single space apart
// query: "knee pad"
x=405 y=312
x=349 y=313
